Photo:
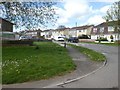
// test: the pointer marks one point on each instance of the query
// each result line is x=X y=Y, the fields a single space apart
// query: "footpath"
x=84 y=67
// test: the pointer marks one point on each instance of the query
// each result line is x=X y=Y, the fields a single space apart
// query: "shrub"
x=102 y=39
x=84 y=37
x=17 y=42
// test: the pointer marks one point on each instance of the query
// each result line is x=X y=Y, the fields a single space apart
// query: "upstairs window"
x=110 y=28
x=94 y=30
x=102 y=29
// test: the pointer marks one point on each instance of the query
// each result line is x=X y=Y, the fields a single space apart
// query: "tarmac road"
x=107 y=77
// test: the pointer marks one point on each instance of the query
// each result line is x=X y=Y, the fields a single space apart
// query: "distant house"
x=33 y=33
x=106 y=30
x=47 y=34
x=81 y=30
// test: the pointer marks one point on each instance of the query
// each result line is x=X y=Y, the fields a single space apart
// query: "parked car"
x=23 y=38
x=73 y=39
x=60 y=38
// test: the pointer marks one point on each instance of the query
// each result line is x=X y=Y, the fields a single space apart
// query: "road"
x=107 y=77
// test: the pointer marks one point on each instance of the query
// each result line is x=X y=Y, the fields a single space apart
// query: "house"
x=67 y=32
x=47 y=34
x=62 y=32
x=33 y=33
x=6 y=25
x=81 y=30
x=6 y=30
x=106 y=30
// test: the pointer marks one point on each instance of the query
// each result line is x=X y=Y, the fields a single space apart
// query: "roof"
x=82 y=27
x=34 y=30
x=110 y=23
x=6 y=20
x=62 y=28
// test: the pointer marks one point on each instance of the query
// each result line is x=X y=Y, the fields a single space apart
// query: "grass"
x=93 y=55
x=30 y=63
x=108 y=44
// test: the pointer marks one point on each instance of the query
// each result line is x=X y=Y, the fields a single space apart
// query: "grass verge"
x=93 y=55
x=30 y=63
x=108 y=44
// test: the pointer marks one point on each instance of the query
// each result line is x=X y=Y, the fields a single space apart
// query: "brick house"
x=105 y=30
x=6 y=25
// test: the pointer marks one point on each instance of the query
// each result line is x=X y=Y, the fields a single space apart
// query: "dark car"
x=73 y=39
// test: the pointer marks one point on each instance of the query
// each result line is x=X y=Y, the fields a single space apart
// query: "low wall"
x=86 y=40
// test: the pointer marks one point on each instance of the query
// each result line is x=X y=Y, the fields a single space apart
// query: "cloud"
x=81 y=11
x=105 y=8
x=72 y=9
x=97 y=19
x=76 y=8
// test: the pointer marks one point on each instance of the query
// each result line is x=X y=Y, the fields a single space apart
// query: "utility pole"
x=76 y=24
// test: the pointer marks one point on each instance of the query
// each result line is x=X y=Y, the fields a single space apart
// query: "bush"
x=84 y=37
x=102 y=39
x=17 y=42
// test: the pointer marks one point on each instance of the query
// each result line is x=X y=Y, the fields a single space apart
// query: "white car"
x=23 y=38
x=60 y=38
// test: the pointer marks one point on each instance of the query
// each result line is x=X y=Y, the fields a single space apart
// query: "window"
x=102 y=29
x=94 y=30
x=110 y=28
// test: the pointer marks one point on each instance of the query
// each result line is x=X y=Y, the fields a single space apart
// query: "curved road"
x=107 y=77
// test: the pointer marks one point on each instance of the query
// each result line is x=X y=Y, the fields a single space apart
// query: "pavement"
x=84 y=68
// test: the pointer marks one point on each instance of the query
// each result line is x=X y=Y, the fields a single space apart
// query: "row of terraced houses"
x=105 y=29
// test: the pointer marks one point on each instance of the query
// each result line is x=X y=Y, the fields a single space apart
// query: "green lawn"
x=28 y=63
x=108 y=44
x=93 y=55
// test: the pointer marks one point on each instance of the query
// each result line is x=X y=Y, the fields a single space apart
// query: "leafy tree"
x=61 y=27
x=29 y=14
x=113 y=12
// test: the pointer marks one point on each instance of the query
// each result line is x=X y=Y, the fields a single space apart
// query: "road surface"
x=107 y=77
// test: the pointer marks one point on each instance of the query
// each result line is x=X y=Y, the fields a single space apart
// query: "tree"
x=29 y=14
x=113 y=12
x=61 y=27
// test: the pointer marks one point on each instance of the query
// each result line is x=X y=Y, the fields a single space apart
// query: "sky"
x=79 y=12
